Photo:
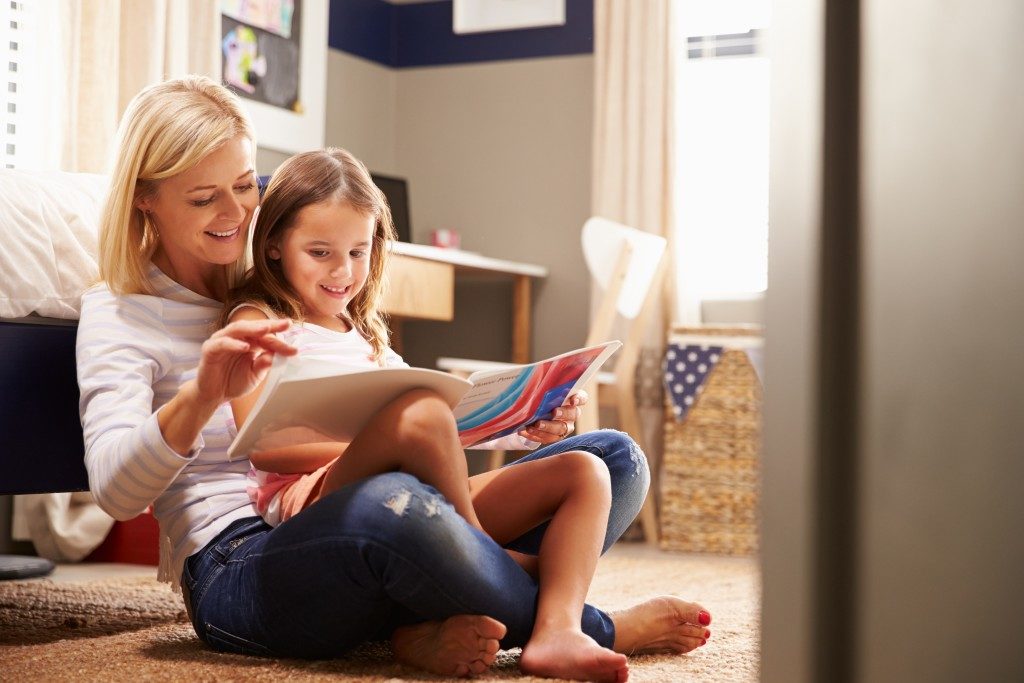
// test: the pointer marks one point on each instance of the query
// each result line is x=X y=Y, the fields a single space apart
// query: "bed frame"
x=42 y=449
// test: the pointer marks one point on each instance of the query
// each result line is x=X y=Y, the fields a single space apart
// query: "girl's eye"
x=203 y=202
x=358 y=253
x=318 y=253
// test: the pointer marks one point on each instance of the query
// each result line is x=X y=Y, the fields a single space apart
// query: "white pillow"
x=48 y=228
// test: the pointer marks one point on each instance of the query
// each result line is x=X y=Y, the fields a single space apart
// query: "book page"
x=504 y=401
x=307 y=398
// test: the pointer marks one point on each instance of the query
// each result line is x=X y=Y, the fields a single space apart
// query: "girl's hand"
x=235 y=359
x=561 y=424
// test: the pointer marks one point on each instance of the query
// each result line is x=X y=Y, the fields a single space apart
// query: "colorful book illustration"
x=307 y=399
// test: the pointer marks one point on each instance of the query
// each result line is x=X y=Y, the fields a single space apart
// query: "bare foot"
x=573 y=655
x=664 y=624
x=461 y=646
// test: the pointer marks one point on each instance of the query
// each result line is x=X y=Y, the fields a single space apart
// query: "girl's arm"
x=298 y=459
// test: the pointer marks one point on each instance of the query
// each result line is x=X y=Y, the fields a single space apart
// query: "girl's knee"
x=423 y=413
x=582 y=468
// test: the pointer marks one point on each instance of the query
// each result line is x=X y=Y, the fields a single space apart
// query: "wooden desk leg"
x=521 y=319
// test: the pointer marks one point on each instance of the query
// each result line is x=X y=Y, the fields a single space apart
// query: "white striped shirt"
x=134 y=352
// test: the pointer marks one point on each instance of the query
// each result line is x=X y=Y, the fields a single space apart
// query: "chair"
x=629 y=265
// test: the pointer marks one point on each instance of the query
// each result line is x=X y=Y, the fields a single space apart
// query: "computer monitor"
x=396 y=191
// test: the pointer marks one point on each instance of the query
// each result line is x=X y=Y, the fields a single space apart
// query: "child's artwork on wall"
x=261 y=49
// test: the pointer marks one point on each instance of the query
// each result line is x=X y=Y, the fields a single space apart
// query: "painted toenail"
x=704 y=618
x=707 y=634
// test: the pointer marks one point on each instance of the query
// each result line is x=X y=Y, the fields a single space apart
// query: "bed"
x=48 y=235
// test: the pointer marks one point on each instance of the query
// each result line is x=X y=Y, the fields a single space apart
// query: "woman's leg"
x=385 y=555
x=415 y=433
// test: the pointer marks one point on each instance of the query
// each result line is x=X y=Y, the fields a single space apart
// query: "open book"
x=307 y=400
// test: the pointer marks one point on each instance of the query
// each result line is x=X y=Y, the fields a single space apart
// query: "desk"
x=421 y=286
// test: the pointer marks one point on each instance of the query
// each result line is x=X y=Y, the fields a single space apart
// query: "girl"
x=320 y=245
x=156 y=421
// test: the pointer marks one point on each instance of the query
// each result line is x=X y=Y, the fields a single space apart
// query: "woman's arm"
x=132 y=453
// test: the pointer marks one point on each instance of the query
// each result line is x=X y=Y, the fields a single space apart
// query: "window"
x=11 y=36
x=28 y=57
x=721 y=193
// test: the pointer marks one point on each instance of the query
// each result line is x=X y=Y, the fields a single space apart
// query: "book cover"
x=307 y=399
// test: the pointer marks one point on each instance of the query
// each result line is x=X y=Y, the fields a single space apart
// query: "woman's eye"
x=244 y=188
x=203 y=202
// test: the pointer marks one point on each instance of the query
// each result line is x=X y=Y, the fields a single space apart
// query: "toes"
x=691 y=612
x=461 y=670
x=490 y=628
x=487 y=645
x=688 y=644
x=478 y=667
x=692 y=631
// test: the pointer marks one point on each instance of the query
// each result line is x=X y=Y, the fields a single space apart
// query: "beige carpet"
x=130 y=629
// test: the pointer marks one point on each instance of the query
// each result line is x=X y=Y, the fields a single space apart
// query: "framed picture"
x=274 y=56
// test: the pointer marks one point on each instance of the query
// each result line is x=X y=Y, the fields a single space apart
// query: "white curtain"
x=103 y=52
x=633 y=148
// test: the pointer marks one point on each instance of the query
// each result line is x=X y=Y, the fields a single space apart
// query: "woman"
x=157 y=425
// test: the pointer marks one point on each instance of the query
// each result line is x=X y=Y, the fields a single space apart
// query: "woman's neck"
x=207 y=279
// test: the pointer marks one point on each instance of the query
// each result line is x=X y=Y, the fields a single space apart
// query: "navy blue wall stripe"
x=363 y=28
x=420 y=34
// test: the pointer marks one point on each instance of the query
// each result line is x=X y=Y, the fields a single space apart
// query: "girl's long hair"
x=329 y=175
x=167 y=128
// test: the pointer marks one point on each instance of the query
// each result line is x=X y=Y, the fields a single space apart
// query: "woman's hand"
x=561 y=424
x=235 y=359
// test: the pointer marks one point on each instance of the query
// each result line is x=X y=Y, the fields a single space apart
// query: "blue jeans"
x=380 y=553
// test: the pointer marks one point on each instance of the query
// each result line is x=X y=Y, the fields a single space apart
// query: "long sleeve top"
x=134 y=352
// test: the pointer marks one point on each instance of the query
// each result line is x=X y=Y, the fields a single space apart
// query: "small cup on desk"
x=446 y=239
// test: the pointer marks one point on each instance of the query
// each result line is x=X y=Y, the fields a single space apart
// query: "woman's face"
x=202 y=215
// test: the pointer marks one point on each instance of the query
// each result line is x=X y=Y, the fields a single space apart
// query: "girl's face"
x=325 y=257
x=202 y=215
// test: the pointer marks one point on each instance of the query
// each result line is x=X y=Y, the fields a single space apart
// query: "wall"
x=495 y=143
x=501 y=152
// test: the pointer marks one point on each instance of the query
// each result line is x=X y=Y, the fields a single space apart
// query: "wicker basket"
x=709 y=478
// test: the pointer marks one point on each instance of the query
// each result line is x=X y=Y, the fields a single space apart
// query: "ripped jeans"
x=378 y=554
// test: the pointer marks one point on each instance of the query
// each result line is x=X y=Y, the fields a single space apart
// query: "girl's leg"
x=572 y=490
x=415 y=433
x=628 y=472
x=664 y=624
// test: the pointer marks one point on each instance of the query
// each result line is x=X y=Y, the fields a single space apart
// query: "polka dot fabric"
x=685 y=369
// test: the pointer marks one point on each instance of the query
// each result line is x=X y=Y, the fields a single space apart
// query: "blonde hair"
x=167 y=128
x=330 y=175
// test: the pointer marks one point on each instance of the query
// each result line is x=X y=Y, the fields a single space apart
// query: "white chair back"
x=603 y=243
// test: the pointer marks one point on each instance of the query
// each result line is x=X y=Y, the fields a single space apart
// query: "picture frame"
x=288 y=131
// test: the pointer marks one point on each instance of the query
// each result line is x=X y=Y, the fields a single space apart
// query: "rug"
x=132 y=629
